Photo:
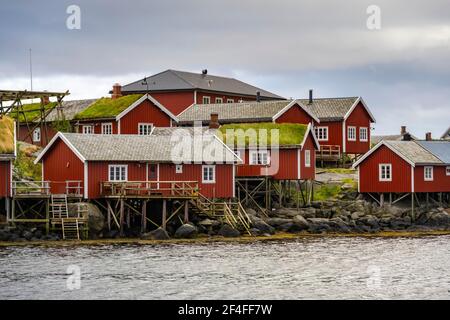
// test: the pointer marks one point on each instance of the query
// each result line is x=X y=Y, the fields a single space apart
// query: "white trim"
x=308 y=163
x=37 y=132
x=86 y=180
x=218 y=98
x=412 y=179
x=118 y=126
x=359 y=184
x=234 y=180
x=142 y=99
x=195 y=99
x=344 y=137
x=229 y=149
x=146 y=171
x=310 y=130
x=425 y=173
x=257 y=152
x=380 y=172
x=349 y=112
x=324 y=129
x=157 y=175
x=118 y=166
x=230 y=100
x=147 y=124
x=83 y=126
x=203 y=99
x=447 y=171
x=292 y=103
x=348 y=133
x=103 y=124
x=66 y=141
x=15 y=139
x=378 y=145
x=367 y=134
x=11 y=164
x=213 y=174
x=299 y=164
x=178 y=168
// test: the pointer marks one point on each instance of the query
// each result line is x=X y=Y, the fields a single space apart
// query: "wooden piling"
x=186 y=211
x=144 y=216
x=164 y=214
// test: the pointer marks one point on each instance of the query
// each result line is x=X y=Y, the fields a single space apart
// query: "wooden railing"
x=150 y=188
x=31 y=188
x=328 y=152
x=74 y=187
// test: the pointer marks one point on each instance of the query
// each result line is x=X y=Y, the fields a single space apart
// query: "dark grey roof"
x=234 y=112
x=330 y=109
x=182 y=80
x=158 y=148
x=70 y=109
x=392 y=137
x=441 y=149
x=413 y=151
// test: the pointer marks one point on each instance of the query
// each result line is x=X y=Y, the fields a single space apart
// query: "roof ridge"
x=335 y=98
x=175 y=72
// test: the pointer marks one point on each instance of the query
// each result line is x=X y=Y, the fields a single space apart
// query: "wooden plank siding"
x=440 y=182
x=308 y=172
x=295 y=114
x=5 y=178
x=358 y=118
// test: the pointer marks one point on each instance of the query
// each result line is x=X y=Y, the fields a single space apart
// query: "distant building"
x=403 y=136
x=446 y=135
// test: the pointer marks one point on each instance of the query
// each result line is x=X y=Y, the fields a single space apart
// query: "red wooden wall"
x=295 y=115
x=5 y=178
x=23 y=132
x=358 y=118
x=308 y=172
x=440 y=183
x=176 y=102
x=334 y=133
x=146 y=112
x=97 y=125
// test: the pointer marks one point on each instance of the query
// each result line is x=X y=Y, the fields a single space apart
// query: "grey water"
x=319 y=268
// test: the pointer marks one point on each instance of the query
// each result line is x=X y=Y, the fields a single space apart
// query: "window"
x=118 y=173
x=230 y=100
x=428 y=173
x=307 y=158
x=385 y=173
x=363 y=134
x=88 y=129
x=37 y=135
x=322 y=133
x=145 y=129
x=209 y=174
x=259 y=157
x=106 y=128
x=219 y=100
x=351 y=133
x=179 y=168
x=206 y=100
x=238 y=153
x=447 y=171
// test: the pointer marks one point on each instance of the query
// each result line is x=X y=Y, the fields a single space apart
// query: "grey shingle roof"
x=413 y=151
x=158 y=148
x=441 y=149
x=182 y=80
x=234 y=112
x=70 y=109
x=393 y=137
x=330 y=109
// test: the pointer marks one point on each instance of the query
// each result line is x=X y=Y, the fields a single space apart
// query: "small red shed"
x=7 y=156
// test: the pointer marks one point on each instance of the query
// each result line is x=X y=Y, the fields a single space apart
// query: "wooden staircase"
x=70 y=229
x=58 y=206
x=231 y=213
x=60 y=215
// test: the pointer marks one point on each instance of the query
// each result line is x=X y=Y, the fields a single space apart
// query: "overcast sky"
x=401 y=70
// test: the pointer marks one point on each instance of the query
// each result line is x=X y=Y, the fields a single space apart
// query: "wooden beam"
x=186 y=211
x=143 y=217
x=164 y=214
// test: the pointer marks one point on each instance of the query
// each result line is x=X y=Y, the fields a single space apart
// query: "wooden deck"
x=150 y=189
x=42 y=189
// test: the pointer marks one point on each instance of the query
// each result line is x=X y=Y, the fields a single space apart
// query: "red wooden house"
x=405 y=167
x=7 y=156
x=104 y=162
x=177 y=90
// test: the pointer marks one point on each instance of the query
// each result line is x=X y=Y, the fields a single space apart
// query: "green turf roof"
x=6 y=135
x=289 y=134
x=31 y=111
x=107 y=107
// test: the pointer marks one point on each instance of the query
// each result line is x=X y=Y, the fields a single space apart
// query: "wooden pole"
x=47 y=216
x=381 y=199
x=164 y=214
x=186 y=211
x=128 y=218
x=122 y=216
x=144 y=217
x=109 y=215
x=412 y=206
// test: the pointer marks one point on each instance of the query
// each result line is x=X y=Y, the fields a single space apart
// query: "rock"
x=4 y=236
x=27 y=235
x=251 y=211
x=228 y=232
x=355 y=216
x=300 y=222
x=157 y=234
x=263 y=227
x=255 y=232
x=186 y=231
x=206 y=222
x=440 y=219
x=399 y=223
x=285 y=227
x=96 y=220
x=112 y=234
x=370 y=221
x=275 y=222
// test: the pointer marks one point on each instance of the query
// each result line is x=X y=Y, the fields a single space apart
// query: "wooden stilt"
x=47 y=216
x=144 y=216
x=108 y=215
x=427 y=196
x=390 y=198
x=312 y=190
x=186 y=211
x=122 y=216
x=381 y=199
x=128 y=218
x=412 y=206
x=164 y=214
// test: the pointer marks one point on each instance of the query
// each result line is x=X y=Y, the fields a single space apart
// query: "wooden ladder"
x=70 y=229
x=58 y=206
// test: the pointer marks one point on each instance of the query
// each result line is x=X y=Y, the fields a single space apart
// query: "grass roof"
x=31 y=111
x=107 y=107
x=6 y=135
x=254 y=134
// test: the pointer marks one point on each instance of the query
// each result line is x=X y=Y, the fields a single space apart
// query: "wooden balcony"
x=150 y=189
x=43 y=189
x=328 y=153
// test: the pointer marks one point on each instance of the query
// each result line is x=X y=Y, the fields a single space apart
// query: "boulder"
x=96 y=220
x=157 y=234
x=255 y=232
x=186 y=231
x=300 y=222
x=228 y=232
x=27 y=235
x=285 y=227
x=275 y=222
x=263 y=227
x=439 y=219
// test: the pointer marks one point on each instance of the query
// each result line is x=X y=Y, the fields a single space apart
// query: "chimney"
x=406 y=137
x=45 y=100
x=258 y=96
x=428 y=136
x=402 y=130
x=204 y=72
x=310 y=96
x=117 y=91
x=214 y=122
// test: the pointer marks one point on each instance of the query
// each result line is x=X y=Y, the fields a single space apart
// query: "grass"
x=6 y=135
x=24 y=166
x=253 y=134
x=107 y=107
x=327 y=192
x=339 y=170
x=31 y=111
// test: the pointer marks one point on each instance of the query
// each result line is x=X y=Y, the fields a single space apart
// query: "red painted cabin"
x=405 y=167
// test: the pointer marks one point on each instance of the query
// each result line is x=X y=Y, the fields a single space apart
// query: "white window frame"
x=380 y=172
x=307 y=158
x=351 y=129
x=256 y=157
x=148 y=126
x=179 y=168
x=87 y=126
x=219 y=100
x=115 y=167
x=230 y=100
x=206 y=100
x=107 y=126
x=37 y=134
x=211 y=175
x=447 y=171
x=362 y=137
x=429 y=169
x=321 y=133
